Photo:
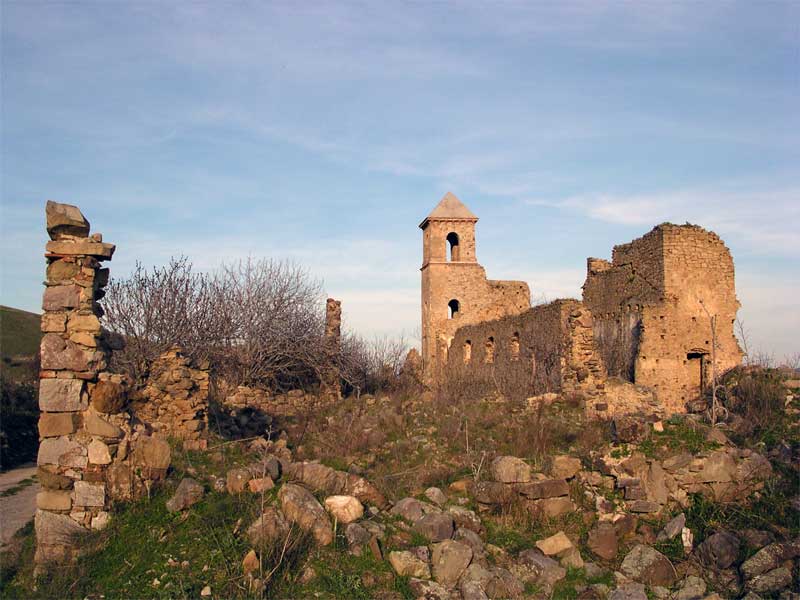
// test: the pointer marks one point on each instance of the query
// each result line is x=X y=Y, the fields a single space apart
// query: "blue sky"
x=325 y=132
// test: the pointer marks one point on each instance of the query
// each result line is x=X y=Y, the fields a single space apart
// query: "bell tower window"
x=452 y=308
x=454 y=250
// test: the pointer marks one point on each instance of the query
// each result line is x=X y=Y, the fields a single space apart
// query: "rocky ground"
x=406 y=497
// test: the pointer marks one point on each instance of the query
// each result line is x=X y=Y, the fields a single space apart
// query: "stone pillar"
x=331 y=386
x=77 y=441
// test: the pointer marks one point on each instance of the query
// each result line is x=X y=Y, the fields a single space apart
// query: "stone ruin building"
x=660 y=315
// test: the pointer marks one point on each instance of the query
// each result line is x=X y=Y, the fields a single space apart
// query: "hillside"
x=19 y=341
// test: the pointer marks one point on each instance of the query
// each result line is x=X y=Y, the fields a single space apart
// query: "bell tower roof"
x=449 y=208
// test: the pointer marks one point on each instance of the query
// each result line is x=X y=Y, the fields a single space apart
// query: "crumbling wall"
x=91 y=452
x=550 y=346
x=174 y=400
x=330 y=384
x=653 y=305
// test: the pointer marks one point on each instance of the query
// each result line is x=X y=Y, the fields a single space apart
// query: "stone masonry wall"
x=551 y=346
x=174 y=401
x=90 y=450
x=330 y=380
x=653 y=306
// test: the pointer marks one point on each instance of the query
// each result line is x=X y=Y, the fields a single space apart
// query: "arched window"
x=488 y=356
x=452 y=242
x=513 y=346
x=467 y=351
x=452 y=308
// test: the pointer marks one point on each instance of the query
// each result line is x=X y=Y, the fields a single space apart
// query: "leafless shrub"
x=259 y=322
x=367 y=366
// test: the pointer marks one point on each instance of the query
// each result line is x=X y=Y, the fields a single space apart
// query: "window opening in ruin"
x=467 y=351
x=452 y=308
x=452 y=241
x=696 y=362
x=514 y=346
x=488 y=357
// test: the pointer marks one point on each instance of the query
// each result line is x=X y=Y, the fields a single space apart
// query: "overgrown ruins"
x=659 y=315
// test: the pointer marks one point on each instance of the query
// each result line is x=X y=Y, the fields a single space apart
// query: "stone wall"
x=653 y=306
x=550 y=346
x=91 y=452
x=174 y=400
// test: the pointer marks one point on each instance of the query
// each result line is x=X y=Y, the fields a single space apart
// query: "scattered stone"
x=493 y=492
x=300 y=506
x=769 y=558
x=629 y=591
x=206 y=592
x=691 y=588
x=262 y=484
x=436 y=496
x=555 y=544
x=250 y=562
x=436 y=527
x=429 y=590
x=405 y=564
x=672 y=529
x=510 y=469
x=555 y=507
x=345 y=509
x=548 y=488
x=503 y=584
x=546 y=571
x=410 y=509
x=237 y=479
x=465 y=518
x=449 y=561
x=647 y=565
x=719 y=551
x=602 y=541
x=189 y=492
x=772 y=581
x=269 y=528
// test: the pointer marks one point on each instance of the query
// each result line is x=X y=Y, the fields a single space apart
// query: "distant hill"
x=19 y=342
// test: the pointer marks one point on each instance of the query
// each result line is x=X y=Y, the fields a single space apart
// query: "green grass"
x=565 y=589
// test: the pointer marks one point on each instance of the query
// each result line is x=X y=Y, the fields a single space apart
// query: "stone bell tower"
x=455 y=291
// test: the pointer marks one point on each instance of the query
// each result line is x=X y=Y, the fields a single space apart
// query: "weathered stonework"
x=455 y=290
x=646 y=318
x=84 y=429
x=653 y=305
x=330 y=380
x=174 y=401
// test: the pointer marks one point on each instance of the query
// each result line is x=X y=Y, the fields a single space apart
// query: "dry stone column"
x=77 y=441
x=333 y=346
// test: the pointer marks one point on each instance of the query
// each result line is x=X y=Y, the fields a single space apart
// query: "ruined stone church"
x=659 y=315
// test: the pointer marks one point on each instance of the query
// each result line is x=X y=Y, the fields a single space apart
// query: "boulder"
x=718 y=551
x=270 y=528
x=772 y=581
x=345 y=509
x=65 y=220
x=449 y=560
x=436 y=527
x=691 y=588
x=602 y=541
x=405 y=564
x=189 y=492
x=503 y=584
x=436 y=496
x=629 y=591
x=510 y=469
x=545 y=570
x=428 y=590
x=236 y=480
x=300 y=506
x=555 y=507
x=465 y=518
x=410 y=509
x=262 y=484
x=769 y=558
x=555 y=544
x=647 y=565
x=493 y=492
x=719 y=466
x=153 y=454
x=471 y=539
